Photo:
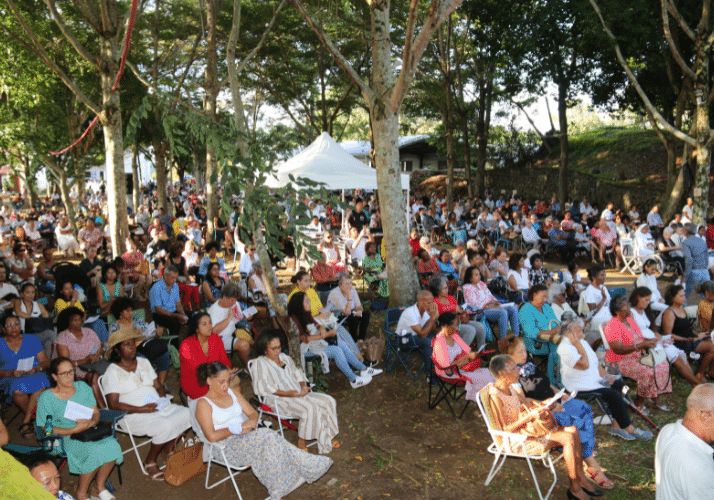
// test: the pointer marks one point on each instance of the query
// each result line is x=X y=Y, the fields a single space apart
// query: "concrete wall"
x=541 y=183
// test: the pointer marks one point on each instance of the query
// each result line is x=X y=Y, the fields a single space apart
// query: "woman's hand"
x=249 y=425
x=331 y=333
x=82 y=425
x=647 y=344
x=147 y=408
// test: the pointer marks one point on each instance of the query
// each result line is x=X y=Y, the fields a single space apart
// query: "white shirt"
x=218 y=314
x=411 y=317
x=530 y=234
x=594 y=296
x=687 y=214
x=649 y=281
x=572 y=378
x=359 y=252
x=684 y=468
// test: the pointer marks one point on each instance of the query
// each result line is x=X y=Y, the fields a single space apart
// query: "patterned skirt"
x=277 y=464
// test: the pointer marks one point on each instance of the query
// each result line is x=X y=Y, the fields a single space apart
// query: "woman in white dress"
x=644 y=242
x=276 y=378
x=640 y=298
x=130 y=384
x=597 y=297
x=224 y=415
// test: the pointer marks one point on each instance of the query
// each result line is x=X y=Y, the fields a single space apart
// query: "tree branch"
x=40 y=52
x=635 y=83
x=673 y=47
x=438 y=12
x=677 y=16
x=339 y=58
x=140 y=77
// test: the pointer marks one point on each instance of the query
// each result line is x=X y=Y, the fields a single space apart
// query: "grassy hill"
x=624 y=155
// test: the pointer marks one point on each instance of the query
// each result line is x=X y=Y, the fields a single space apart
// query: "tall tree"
x=384 y=93
x=701 y=135
x=104 y=19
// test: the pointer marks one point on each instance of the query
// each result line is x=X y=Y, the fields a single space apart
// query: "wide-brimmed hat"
x=120 y=336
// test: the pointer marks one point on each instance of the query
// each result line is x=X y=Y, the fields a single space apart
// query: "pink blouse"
x=79 y=349
x=477 y=296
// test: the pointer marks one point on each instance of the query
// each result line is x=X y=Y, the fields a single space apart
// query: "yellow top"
x=16 y=483
x=61 y=305
x=315 y=304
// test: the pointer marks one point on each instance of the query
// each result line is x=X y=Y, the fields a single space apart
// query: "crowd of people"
x=100 y=333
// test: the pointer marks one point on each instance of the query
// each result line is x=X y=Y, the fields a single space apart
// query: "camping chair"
x=400 y=349
x=122 y=426
x=629 y=259
x=548 y=350
x=283 y=417
x=450 y=388
x=507 y=444
x=215 y=453
x=56 y=442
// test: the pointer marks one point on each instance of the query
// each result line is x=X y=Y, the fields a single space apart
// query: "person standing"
x=696 y=259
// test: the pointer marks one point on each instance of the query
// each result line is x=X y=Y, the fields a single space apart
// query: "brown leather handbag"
x=185 y=464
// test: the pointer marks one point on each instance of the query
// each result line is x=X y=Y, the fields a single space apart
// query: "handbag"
x=541 y=426
x=653 y=357
x=185 y=464
x=95 y=433
x=373 y=348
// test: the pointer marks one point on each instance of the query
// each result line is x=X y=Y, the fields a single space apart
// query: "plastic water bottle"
x=49 y=430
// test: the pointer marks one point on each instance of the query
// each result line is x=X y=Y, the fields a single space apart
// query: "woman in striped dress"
x=276 y=378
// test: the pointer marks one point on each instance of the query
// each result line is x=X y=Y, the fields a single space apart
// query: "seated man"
x=530 y=233
x=166 y=307
x=90 y=235
x=419 y=320
x=47 y=230
x=562 y=243
x=228 y=320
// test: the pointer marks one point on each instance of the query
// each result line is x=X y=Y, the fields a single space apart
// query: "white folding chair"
x=123 y=427
x=629 y=257
x=215 y=453
x=273 y=409
x=506 y=444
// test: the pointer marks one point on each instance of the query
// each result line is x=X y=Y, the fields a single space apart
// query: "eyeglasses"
x=14 y=323
x=65 y=374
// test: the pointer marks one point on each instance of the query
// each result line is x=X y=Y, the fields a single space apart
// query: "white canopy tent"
x=325 y=161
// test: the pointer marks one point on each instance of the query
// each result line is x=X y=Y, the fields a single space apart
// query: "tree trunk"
x=481 y=139
x=467 y=153
x=110 y=118
x=701 y=89
x=31 y=193
x=563 y=119
x=160 y=164
x=209 y=106
x=135 y=177
x=449 y=155
x=671 y=196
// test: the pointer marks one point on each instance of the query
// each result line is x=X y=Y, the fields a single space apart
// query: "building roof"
x=363 y=147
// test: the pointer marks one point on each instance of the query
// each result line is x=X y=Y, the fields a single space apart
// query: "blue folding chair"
x=400 y=350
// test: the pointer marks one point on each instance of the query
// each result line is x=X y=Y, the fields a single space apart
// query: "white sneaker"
x=695 y=355
x=370 y=372
x=360 y=382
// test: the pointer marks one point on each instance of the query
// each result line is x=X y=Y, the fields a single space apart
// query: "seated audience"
x=478 y=296
x=129 y=383
x=231 y=324
x=166 y=307
x=627 y=347
x=470 y=329
x=420 y=321
x=279 y=381
x=225 y=416
x=345 y=301
x=507 y=401
x=581 y=371
x=91 y=460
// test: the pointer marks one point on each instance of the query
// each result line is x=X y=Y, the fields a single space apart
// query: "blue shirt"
x=166 y=299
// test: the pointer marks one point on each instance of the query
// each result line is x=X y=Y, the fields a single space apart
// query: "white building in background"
x=415 y=153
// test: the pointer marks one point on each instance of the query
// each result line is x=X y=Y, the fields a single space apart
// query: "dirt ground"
x=393 y=447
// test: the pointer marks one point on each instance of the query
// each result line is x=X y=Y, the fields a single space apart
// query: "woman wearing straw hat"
x=131 y=385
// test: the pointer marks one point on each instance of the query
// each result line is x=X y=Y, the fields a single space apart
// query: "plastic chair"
x=507 y=444
x=123 y=426
x=215 y=453
x=399 y=349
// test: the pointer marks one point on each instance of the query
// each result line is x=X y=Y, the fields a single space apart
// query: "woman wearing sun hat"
x=131 y=385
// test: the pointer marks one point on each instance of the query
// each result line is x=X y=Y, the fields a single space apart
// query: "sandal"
x=27 y=430
x=599 y=479
x=157 y=476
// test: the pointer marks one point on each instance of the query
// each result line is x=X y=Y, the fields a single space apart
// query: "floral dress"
x=131 y=265
x=511 y=408
x=374 y=263
x=629 y=364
